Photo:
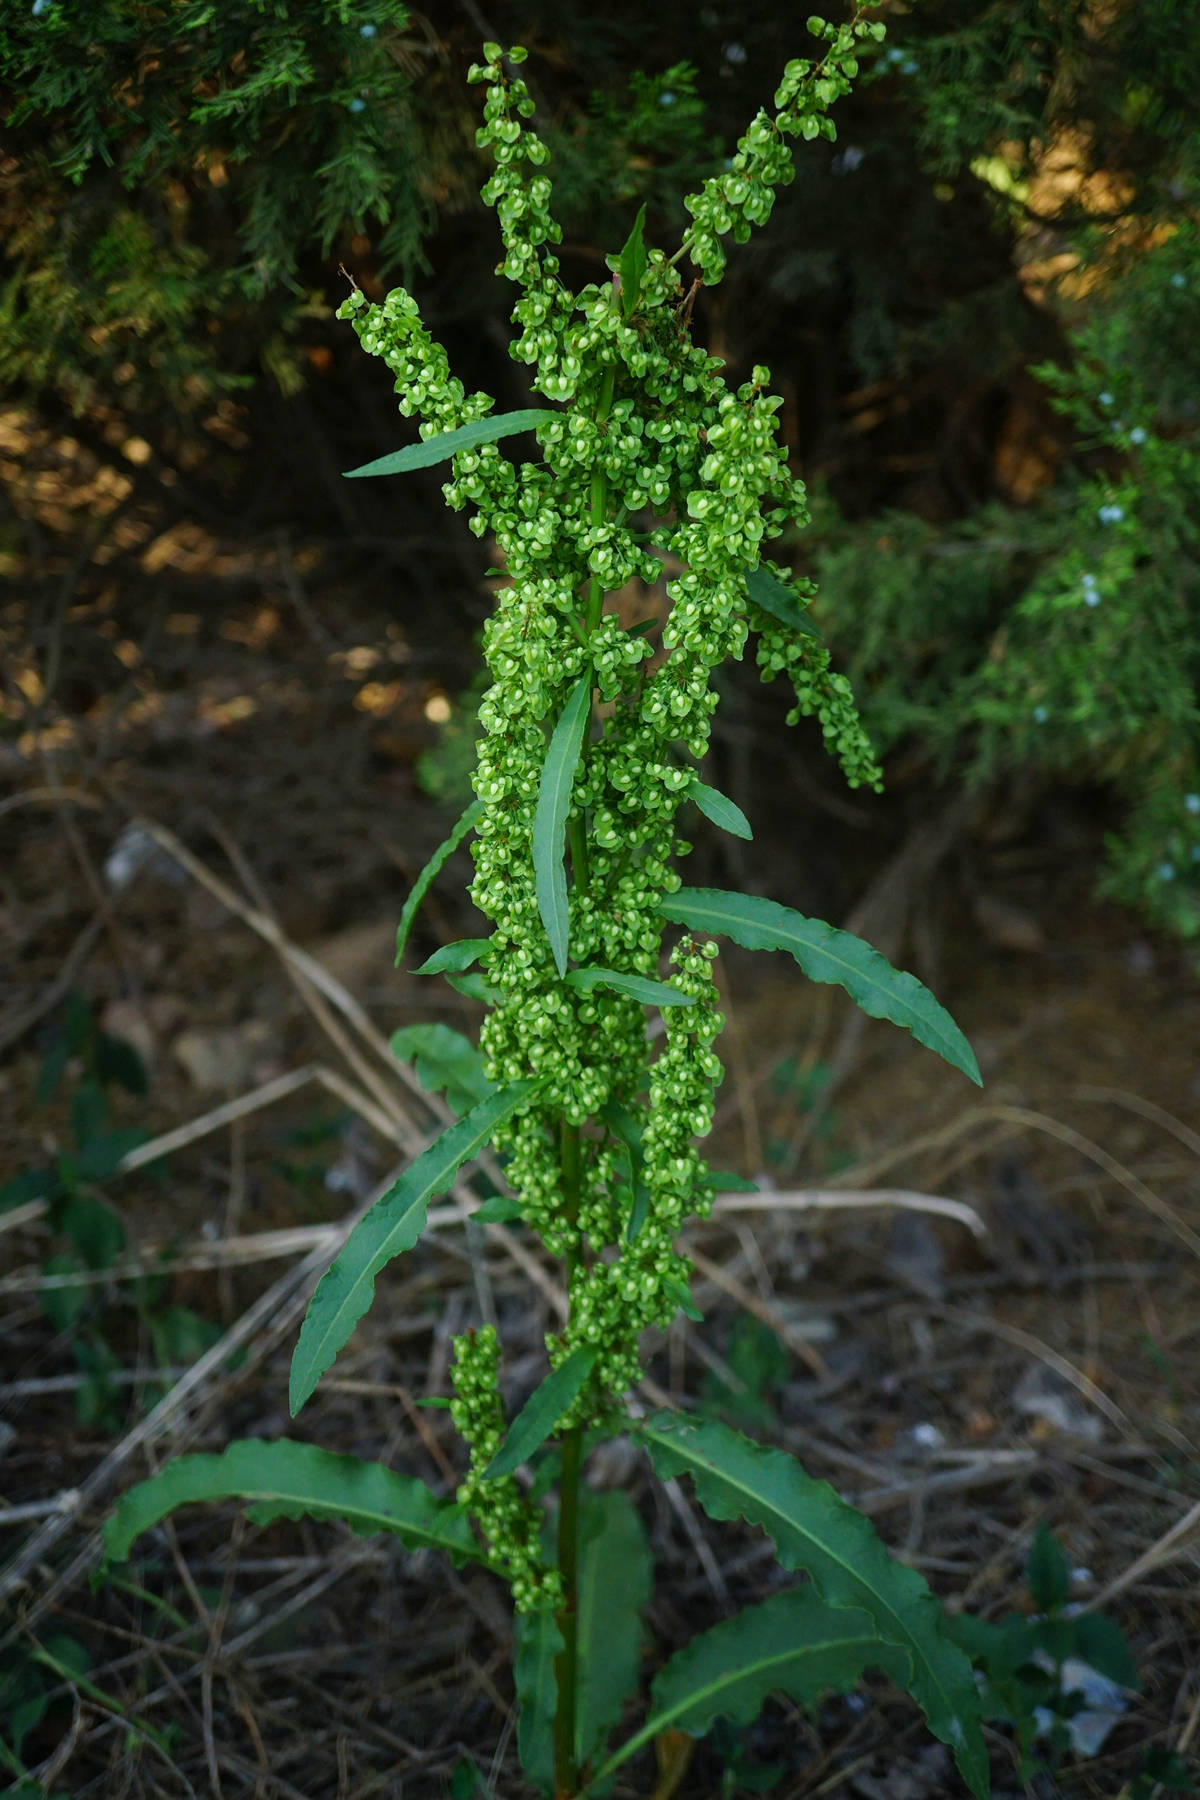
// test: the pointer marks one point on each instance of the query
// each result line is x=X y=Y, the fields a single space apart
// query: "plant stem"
x=566 y=1668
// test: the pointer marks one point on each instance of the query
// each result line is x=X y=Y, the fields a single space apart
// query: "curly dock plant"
x=593 y=735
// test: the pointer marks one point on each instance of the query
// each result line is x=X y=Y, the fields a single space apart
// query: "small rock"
x=225 y=1058
x=1045 y=1396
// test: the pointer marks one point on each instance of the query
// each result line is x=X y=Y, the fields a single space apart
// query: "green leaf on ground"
x=549 y=823
x=429 y=874
x=393 y=1225
x=812 y=1528
x=541 y=1412
x=287 y=1480
x=467 y=437
x=826 y=954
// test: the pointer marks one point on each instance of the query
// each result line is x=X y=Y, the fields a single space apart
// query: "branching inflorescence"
x=651 y=468
x=654 y=457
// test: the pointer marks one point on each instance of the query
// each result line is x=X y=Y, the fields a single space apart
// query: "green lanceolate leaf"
x=445 y=1062
x=720 y=809
x=638 y=987
x=622 y=1122
x=792 y=1644
x=721 y=1181
x=812 y=1528
x=454 y=957
x=631 y=266
x=501 y=1209
x=286 y=1480
x=615 y=1582
x=430 y=872
x=393 y=1225
x=553 y=805
x=541 y=1413
x=467 y=437
x=771 y=594
x=539 y=1643
x=681 y=1293
x=826 y=954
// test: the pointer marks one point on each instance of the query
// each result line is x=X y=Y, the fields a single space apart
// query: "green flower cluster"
x=652 y=456
x=821 y=693
x=512 y=1524
x=614 y=1299
x=743 y=195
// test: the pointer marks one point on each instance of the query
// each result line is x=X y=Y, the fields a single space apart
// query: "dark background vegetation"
x=981 y=306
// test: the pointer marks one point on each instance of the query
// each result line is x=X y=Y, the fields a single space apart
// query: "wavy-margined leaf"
x=539 y=1643
x=393 y=1225
x=774 y=597
x=454 y=957
x=826 y=954
x=432 y=869
x=549 y=822
x=791 y=1644
x=286 y=1480
x=449 y=443
x=615 y=1583
x=638 y=987
x=812 y=1528
x=720 y=809
x=445 y=1062
x=541 y=1412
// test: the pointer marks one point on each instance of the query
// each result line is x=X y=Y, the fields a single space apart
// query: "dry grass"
x=988 y=1305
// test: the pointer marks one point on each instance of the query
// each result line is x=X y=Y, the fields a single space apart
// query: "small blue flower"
x=667 y=99
x=367 y=30
x=1137 y=435
x=1192 y=802
x=909 y=67
x=1104 y=399
x=357 y=106
x=735 y=53
x=39 y=7
x=1177 y=281
x=1110 y=515
x=1040 y=714
x=1196 y=853
x=1166 y=871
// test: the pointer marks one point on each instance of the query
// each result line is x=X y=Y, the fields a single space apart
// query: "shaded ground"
x=1027 y=1356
